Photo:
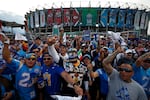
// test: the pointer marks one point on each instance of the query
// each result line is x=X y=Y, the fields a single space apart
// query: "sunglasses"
x=32 y=59
x=46 y=58
x=125 y=69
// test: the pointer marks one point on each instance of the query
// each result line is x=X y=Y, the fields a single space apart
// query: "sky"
x=21 y=7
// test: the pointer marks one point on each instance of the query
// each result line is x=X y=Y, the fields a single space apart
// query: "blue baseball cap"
x=30 y=55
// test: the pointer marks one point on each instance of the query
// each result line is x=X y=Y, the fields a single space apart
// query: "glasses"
x=46 y=58
x=125 y=69
x=32 y=59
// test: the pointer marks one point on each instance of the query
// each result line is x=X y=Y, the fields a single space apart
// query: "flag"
x=79 y=53
x=64 y=38
x=19 y=36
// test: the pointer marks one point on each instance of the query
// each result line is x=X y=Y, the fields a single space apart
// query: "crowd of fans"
x=98 y=69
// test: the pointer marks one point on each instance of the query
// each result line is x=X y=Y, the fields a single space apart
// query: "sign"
x=86 y=35
x=55 y=30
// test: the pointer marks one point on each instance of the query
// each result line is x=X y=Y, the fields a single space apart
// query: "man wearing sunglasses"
x=52 y=73
x=142 y=72
x=26 y=73
x=121 y=84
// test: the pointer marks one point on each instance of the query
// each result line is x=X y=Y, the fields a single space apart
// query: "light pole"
x=97 y=28
x=80 y=26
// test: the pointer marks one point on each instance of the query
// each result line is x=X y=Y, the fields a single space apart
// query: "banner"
x=28 y=21
x=104 y=17
x=146 y=22
x=75 y=17
x=19 y=36
x=66 y=16
x=112 y=17
x=89 y=16
x=86 y=35
x=148 y=30
x=42 y=18
x=50 y=15
x=36 y=16
x=121 y=18
x=142 y=23
x=137 y=20
x=130 y=18
x=31 y=20
x=57 y=16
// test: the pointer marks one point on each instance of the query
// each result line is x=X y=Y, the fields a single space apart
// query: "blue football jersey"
x=51 y=76
x=25 y=79
x=142 y=76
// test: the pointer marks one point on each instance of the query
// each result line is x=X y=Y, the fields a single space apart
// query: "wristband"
x=7 y=41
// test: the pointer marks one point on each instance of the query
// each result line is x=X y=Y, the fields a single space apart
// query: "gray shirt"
x=120 y=90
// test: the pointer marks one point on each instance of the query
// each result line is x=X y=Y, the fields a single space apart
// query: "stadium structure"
x=98 y=19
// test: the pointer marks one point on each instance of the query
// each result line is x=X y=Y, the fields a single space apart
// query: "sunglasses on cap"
x=47 y=58
x=124 y=69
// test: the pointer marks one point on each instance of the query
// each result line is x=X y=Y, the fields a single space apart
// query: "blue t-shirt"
x=142 y=76
x=24 y=79
x=51 y=75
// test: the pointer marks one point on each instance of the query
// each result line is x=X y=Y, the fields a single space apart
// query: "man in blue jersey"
x=26 y=73
x=142 y=72
x=51 y=73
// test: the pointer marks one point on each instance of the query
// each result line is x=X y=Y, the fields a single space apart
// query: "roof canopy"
x=11 y=24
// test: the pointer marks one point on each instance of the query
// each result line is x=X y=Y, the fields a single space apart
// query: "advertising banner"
x=104 y=17
x=148 y=30
x=142 y=23
x=66 y=16
x=42 y=19
x=75 y=17
x=121 y=18
x=57 y=17
x=50 y=15
x=137 y=20
x=146 y=22
x=130 y=18
x=28 y=21
x=31 y=20
x=36 y=16
x=112 y=17
x=89 y=16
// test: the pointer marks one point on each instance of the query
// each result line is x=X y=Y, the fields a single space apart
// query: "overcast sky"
x=22 y=6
